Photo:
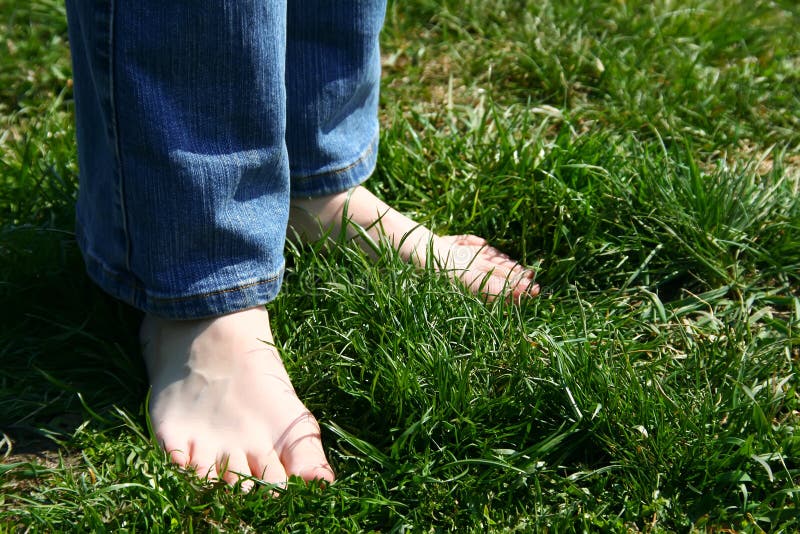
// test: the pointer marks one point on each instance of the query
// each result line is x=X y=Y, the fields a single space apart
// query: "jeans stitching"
x=136 y=287
x=214 y=293
x=114 y=120
x=364 y=155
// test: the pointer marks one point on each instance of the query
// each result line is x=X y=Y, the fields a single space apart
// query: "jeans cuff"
x=341 y=179
x=234 y=296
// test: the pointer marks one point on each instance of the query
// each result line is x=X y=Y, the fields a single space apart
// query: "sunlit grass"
x=642 y=156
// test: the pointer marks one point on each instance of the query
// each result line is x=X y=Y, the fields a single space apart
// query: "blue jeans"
x=195 y=125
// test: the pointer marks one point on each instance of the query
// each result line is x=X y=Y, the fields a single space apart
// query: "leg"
x=181 y=121
x=333 y=69
x=333 y=79
x=177 y=157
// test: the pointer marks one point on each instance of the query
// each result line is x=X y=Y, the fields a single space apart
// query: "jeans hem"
x=240 y=295
x=335 y=181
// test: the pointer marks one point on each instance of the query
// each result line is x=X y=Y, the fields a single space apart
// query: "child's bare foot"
x=482 y=268
x=222 y=403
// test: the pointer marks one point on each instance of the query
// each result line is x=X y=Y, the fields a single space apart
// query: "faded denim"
x=195 y=124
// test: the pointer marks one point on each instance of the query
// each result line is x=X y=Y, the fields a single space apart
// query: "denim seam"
x=139 y=288
x=115 y=132
x=112 y=273
x=364 y=155
x=217 y=292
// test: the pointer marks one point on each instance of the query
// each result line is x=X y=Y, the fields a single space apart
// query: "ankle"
x=168 y=344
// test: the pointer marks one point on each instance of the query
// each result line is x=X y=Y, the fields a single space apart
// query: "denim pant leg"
x=184 y=173
x=333 y=70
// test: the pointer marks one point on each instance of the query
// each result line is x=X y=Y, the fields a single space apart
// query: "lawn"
x=644 y=157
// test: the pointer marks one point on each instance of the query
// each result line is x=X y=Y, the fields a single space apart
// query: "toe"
x=178 y=452
x=525 y=288
x=204 y=471
x=487 y=284
x=231 y=466
x=466 y=239
x=533 y=289
x=502 y=282
x=320 y=472
x=202 y=461
x=491 y=252
x=505 y=261
x=302 y=453
x=267 y=467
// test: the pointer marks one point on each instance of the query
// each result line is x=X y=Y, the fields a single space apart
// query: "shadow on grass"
x=68 y=351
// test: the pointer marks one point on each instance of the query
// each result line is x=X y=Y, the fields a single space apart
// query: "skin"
x=466 y=258
x=222 y=403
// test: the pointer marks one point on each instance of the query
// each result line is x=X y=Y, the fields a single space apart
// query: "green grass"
x=645 y=156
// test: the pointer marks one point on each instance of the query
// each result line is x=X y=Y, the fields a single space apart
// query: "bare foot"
x=222 y=403
x=482 y=268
